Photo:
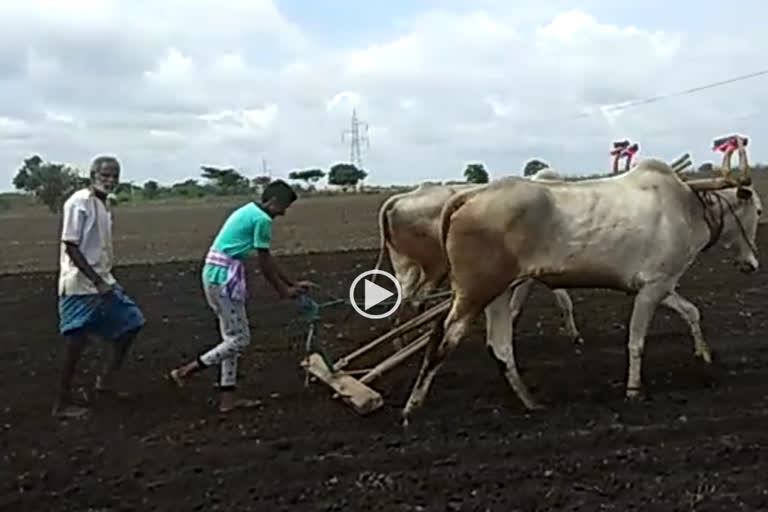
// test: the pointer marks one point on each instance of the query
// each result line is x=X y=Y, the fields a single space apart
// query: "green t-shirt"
x=247 y=228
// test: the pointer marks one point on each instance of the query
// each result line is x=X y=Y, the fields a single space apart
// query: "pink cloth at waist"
x=234 y=286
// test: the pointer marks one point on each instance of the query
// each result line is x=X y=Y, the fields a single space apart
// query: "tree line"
x=51 y=183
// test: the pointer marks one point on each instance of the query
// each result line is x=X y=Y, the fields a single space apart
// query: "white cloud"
x=196 y=81
x=343 y=100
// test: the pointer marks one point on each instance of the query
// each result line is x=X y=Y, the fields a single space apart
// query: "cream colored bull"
x=409 y=229
x=637 y=232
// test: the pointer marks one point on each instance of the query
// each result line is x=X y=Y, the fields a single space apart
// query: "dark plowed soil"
x=699 y=442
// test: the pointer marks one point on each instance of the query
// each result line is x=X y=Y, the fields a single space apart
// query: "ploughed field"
x=699 y=442
x=182 y=231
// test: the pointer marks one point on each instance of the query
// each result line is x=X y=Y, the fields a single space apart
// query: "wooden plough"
x=352 y=385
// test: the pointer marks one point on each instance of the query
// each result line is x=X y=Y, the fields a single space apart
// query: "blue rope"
x=309 y=312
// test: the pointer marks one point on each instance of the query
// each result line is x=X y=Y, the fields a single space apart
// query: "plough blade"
x=360 y=397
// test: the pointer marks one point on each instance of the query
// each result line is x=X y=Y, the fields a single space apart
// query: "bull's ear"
x=743 y=193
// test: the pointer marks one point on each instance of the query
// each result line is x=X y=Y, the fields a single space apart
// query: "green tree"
x=151 y=189
x=476 y=173
x=261 y=181
x=345 y=175
x=188 y=188
x=307 y=175
x=50 y=183
x=533 y=166
x=227 y=181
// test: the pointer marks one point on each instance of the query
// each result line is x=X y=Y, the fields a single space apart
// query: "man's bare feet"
x=102 y=387
x=176 y=377
x=228 y=402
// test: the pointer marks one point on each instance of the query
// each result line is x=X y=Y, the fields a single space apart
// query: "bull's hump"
x=654 y=164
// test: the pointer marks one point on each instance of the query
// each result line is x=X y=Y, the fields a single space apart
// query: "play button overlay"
x=374 y=294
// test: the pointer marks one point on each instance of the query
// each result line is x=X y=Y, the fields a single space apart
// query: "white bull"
x=637 y=232
x=409 y=229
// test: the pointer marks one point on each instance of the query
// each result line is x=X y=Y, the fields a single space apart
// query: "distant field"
x=162 y=232
x=150 y=233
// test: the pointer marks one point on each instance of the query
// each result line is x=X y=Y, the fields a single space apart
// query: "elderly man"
x=90 y=300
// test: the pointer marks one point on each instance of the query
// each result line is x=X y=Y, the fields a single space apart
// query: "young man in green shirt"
x=224 y=283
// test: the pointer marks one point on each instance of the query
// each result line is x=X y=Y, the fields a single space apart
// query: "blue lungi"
x=111 y=317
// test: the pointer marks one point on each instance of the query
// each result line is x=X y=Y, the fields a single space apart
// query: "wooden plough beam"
x=355 y=391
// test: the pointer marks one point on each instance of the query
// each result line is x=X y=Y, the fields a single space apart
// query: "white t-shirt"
x=86 y=221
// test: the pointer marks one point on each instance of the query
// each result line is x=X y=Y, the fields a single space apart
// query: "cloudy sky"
x=171 y=85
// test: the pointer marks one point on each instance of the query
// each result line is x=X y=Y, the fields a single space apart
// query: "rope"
x=431 y=296
x=716 y=231
x=310 y=313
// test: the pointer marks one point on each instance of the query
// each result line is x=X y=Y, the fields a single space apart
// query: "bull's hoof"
x=405 y=417
x=535 y=407
x=705 y=356
x=635 y=395
x=531 y=404
x=410 y=406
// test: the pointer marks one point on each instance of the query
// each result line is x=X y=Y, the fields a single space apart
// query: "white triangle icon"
x=374 y=294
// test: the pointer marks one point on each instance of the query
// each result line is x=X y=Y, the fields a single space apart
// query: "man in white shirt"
x=91 y=302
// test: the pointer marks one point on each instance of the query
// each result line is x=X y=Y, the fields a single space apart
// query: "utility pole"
x=264 y=170
x=358 y=133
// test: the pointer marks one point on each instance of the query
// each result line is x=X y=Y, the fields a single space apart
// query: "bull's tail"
x=383 y=233
x=449 y=208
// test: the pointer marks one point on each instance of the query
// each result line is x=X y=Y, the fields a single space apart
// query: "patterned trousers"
x=235 y=335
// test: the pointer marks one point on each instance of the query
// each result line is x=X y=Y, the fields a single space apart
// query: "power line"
x=619 y=107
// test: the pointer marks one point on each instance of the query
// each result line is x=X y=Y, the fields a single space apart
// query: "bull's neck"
x=708 y=213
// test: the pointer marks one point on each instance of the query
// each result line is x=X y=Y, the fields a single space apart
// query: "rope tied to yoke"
x=717 y=224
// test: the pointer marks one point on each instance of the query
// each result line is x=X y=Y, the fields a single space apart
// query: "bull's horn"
x=702 y=185
x=746 y=172
x=681 y=163
x=725 y=167
x=682 y=167
x=679 y=160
